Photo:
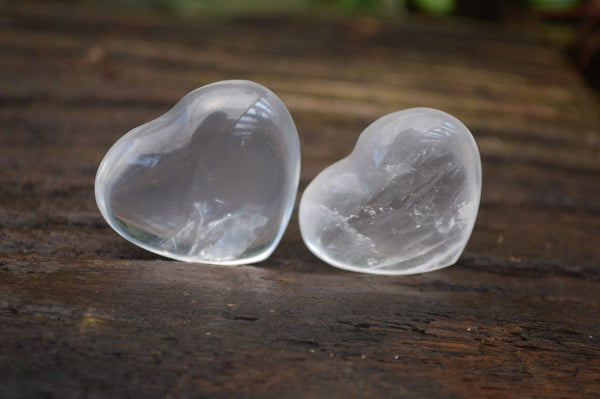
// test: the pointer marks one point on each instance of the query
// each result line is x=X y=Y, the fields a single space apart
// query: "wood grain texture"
x=85 y=314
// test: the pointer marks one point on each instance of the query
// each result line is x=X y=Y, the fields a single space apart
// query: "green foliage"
x=552 y=3
x=436 y=6
x=363 y=6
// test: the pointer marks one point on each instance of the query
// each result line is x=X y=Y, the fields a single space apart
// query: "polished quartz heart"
x=404 y=201
x=213 y=180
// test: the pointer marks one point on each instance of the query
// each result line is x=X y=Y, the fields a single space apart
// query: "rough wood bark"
x=85 y=314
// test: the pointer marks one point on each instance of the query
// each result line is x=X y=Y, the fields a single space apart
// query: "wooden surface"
x=85 y=314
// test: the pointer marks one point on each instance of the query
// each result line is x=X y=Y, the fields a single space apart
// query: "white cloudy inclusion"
x=213 y=180
x=403 y=202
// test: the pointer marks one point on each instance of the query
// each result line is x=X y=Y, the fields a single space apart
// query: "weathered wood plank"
x=85 y=314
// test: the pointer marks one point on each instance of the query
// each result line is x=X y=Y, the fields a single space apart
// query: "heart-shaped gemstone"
x=213 y=180
x=404 y=201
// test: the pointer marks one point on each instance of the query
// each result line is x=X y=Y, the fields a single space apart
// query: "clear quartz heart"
x=403 y=202
x=213 y=180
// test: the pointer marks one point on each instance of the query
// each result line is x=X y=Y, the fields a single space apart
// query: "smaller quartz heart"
x=213 y=180
x=403 y=202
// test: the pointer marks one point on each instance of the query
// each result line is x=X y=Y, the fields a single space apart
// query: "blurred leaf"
x=554 y=4
x=436 y=6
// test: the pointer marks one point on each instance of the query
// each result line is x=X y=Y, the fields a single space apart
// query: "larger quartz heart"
x=213 y=180
x=403 y=202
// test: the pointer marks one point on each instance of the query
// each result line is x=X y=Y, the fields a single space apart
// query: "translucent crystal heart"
x=213 y=180
x=403 y=202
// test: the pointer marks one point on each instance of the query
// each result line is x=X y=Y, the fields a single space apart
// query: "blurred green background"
x=485 y=7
